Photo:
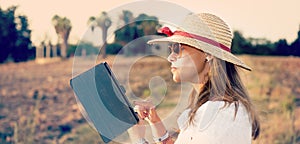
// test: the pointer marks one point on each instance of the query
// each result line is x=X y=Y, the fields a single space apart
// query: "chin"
x=176 y=79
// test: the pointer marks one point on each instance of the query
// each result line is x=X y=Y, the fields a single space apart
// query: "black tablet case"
x=104 y=100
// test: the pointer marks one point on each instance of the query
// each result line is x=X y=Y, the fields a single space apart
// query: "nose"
x=172 y=57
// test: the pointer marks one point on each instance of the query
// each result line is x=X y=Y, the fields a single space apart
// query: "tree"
x=240 y=44
x=15 y=40
x=295 y=46
x=23 y=49
x=127 y=31
x=282 y=48
x=63 y=28
x=127 y=17
x=148 y=24
x=135 y=28
x=92 y=23
x=8 y=34
x=104 y=22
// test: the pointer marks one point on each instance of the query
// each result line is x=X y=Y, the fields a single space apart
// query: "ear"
x=208 y=57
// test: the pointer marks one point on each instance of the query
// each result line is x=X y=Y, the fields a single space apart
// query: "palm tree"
x=92 y=23
x=127 y=16
x=63 y=28
x=104 y=22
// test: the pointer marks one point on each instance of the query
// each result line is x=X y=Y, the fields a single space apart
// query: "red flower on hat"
x=166 y=30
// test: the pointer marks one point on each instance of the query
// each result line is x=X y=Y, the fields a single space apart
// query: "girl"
x=220 y=109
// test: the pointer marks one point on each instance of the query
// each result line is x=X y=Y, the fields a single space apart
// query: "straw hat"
x=206 y=32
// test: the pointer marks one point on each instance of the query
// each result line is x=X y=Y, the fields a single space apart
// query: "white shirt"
x=215 y=124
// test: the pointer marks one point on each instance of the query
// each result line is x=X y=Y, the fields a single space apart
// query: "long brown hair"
x=224 y=84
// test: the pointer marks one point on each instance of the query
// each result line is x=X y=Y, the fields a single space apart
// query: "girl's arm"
x=146 y=110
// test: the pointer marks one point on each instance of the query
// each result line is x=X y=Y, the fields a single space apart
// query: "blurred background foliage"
x=16 y=45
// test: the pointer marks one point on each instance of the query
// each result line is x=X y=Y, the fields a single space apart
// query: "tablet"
x=104 y=101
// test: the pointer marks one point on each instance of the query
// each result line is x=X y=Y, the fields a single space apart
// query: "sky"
x=270 y=19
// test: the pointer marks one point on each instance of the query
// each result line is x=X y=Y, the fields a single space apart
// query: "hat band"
x=168 y=32
x=203 y=39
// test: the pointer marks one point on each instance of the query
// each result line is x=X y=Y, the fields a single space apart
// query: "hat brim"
x=208 y=48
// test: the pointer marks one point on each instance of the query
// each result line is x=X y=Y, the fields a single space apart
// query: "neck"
x=198 y=87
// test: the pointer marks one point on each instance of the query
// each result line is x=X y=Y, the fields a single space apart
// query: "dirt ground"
x=37 y=104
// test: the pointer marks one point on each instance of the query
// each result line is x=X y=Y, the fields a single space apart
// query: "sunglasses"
x=176 y=48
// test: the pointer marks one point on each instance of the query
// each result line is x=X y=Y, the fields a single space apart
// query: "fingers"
x=153 y=117
x=142 y=112
x=143 y=107
x=146 y=110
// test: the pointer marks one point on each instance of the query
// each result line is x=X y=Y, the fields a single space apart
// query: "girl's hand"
x=146 y=110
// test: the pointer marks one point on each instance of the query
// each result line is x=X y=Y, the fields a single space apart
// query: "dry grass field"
x=37 y=104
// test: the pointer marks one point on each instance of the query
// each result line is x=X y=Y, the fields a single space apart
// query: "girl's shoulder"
x=214 y=123
x=215 y=113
